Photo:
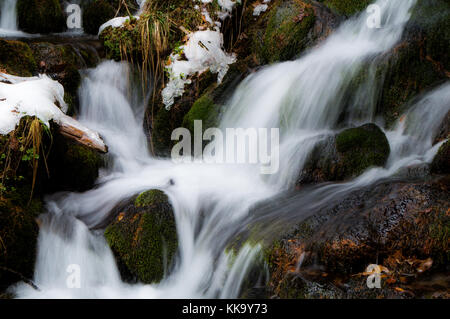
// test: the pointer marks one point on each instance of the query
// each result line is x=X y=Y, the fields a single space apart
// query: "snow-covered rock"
x=44 y=98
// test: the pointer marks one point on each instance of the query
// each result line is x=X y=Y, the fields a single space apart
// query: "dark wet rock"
x=402 y=226
x=143 y=237
x=290 y=27
x=40 y=16
x=419 y=62
x=161 y=122
x=18 y=210
x=441 y=162
x=16 y=58
x=18 y=237
x=346 y=155
x=288 y=24
x=95 y=13
x=60 y=62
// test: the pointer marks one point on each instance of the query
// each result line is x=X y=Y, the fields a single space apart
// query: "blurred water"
x=212 y=201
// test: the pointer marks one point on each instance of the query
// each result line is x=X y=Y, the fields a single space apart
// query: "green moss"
x=347 y=7
x=145 y=238
x=40 y=16
x=16 y=58
x=288 y=25
x=361 y=148
x=95 y=13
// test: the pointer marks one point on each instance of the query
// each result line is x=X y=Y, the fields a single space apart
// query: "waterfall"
x=8 y=15
x=212 y=201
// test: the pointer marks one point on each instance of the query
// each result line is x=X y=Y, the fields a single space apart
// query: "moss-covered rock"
x=61 y=62
x=347 y=7
x=144 y=237
x=361 y=148
x=18 y=237
x=16 y=58
x=95 y=13
x=72 y=166
x=289 y=23
x=441 y=162
x=204 y=110
x=40 y=16
x=402 y=226
x=18 y=210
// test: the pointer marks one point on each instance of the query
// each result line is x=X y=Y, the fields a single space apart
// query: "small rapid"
x=212 y=201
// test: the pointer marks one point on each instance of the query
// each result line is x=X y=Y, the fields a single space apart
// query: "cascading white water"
x=211 y=201
x=8 y=15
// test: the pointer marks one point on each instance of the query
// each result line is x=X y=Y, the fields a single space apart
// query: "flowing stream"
x=8 y=18
x=213 y=202
x=8 y=15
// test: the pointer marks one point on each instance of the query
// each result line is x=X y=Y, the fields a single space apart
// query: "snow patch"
x=260 y=8
x=115 y=23
x=36 y=96
x=203 y=51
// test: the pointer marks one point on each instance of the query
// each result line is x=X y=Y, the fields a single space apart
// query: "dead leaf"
x=425 y=265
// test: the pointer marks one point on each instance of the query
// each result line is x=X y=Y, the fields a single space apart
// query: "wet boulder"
x=441 y=162
x=16 y=58
x=18 y=236
x=346 y=155
x=419 y=62
x=443 y=131
x=143 y=237
x=40 y=16
x=288 y=24
x=401 y=226
x=347 y=7
x=18 y=210
x=95 y=13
